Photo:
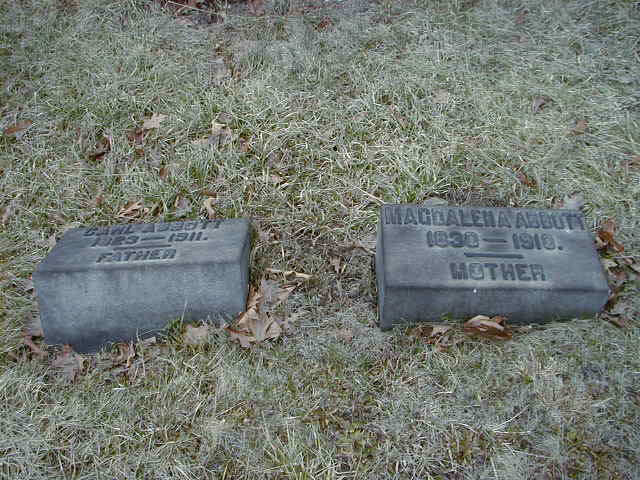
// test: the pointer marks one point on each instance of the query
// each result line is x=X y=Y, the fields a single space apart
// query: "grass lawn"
x=306 y=120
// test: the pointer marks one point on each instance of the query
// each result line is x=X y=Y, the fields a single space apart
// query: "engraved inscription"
x=497 y=271
x=523 y=240
x=137 y=255
x=152 y=227
x=455 y=239
x=492 y=244
x=146 y=242
x=479 y=218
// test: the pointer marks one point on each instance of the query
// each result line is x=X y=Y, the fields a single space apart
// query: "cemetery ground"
x=306 y=120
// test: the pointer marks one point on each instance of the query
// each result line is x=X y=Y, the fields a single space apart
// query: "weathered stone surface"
x=123 y=282
x=529 y=265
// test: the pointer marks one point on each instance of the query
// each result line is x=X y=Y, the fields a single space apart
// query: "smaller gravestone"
x=123 y=282
x=529 y=265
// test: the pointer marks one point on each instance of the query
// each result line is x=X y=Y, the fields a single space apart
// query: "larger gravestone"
x=529 y=265
x=122 y=282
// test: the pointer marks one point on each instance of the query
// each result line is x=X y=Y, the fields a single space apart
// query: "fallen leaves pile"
x=620 y=270
x=480 y=326
x=258 y=322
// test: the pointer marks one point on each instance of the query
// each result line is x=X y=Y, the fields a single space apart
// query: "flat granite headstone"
x=123 y=282
x=530 y=265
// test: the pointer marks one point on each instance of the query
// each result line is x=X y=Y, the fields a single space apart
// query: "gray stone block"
x=529 y=265
x=123 y=282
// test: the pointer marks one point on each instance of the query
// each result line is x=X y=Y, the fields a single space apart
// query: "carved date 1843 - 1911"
x=144 y=242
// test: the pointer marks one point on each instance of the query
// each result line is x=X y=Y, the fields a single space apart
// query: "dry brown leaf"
x=618 y=321
x=254 y=298
x=103 y=146
x=264 y=327
x=163 y=173
x=540 y=102
x=153 y=122
x=136 y=137
x=431 y=332
x=617 y=276
x=483 y=326
x=69 y=362
x=621 y=309
x=242 y=337
x=33 y=347
x=525 y=180
x=254 y=328
x=283 y=294
x=288 y=274
x=606 y=235
x=268 y=294
x=132 y=210
x=196 y=335
x=220 y=134
x=437 y=335
x=580 y=127
x=240 y=329
x=367 y=244
x=208 y=206
x=613 y=302
x=125 y=355
x=33 y=329
x=599 y=243
x=439 y=330
x=245 y=145
x=272 y=295
x=324 y=23
x=17 y=128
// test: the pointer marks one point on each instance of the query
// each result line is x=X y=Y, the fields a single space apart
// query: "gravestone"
x=529 y=265
x=123 y=282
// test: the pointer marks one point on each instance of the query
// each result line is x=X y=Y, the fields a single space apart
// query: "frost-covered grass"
x=389 y=101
